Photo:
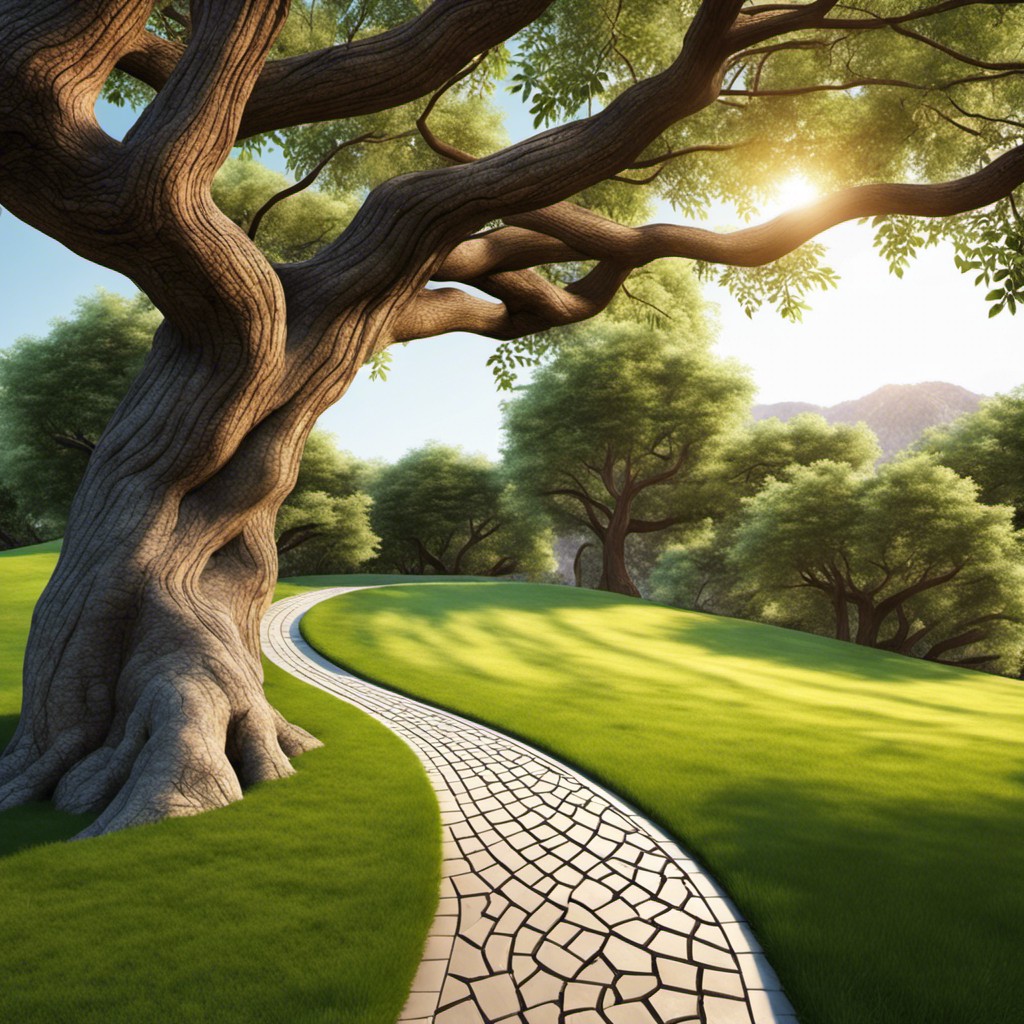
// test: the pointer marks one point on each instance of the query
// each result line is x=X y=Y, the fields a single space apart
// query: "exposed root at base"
x=180 y=752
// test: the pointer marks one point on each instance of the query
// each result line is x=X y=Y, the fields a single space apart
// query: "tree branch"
x=308 y=180
x=364 y=76
x=527 y=304
x=296 y=535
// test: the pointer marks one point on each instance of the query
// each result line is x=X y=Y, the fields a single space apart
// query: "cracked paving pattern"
x=558 y=902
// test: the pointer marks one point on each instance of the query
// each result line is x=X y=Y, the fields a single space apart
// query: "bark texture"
x=142 y=686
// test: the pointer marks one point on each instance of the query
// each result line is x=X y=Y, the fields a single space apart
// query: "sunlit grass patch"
x=866 y=811
x=307 y=902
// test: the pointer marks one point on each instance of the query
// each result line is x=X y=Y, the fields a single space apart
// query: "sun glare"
x=792 y=193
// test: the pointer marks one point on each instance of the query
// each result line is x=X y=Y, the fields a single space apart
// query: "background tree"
x=697 y=575
x=697 y=572
x=324 y=524
x=907 y=560
x=441 y=511
x=775 y=448
x=987 y=446
x=17 y=528
x=615 y=429
x=143 y=694
x=57 y=394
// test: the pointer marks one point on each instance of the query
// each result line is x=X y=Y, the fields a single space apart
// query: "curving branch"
x=957 y=55
x=597 y=237
x=865 y=83
x=363 y=76
x=527 y=303
x=443 y=149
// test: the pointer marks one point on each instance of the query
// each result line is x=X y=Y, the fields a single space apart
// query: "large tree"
x=142 y=688
x=614 y=431
x=441 y=511
x=907 y=560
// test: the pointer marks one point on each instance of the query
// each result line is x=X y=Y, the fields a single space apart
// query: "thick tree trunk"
x=143 y=695
x=614 y=573
x=842 y=615
x=577 y=564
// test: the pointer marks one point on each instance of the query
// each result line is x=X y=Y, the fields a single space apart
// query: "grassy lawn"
x=866 y=811
x=307 y=902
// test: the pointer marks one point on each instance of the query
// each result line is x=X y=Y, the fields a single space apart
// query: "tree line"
x=632 y=454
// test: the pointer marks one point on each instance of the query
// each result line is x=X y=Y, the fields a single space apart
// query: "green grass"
x=307 y=902
x=865 y=811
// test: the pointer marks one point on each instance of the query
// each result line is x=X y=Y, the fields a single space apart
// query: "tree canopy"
x=612 y=432
x=698 y=572
x=908 y=560
x=775 y=448
x=440 y=511
x=324 y=524
x=987 y=446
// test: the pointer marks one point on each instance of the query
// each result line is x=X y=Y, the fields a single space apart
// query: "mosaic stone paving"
x=558 y=902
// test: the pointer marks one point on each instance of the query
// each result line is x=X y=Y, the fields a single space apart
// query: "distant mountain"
x=897 y=413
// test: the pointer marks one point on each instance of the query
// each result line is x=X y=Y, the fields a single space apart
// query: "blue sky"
x=872 y=330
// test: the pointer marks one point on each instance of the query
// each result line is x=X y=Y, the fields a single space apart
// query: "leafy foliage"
x=57 y=394
x=783 y=284
x=994 y=251
x=986 y=446
x=775 y=448
x=697 y=572
x=441 y=511
x=907 y=559
x=294 y=229
x=324 y=525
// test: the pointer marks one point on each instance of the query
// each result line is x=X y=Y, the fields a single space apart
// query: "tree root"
x=182 y=750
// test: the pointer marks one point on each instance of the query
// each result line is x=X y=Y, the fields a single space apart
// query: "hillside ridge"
x=898 y=413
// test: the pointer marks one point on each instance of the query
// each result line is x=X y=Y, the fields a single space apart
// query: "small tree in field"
x=441 y=511
x=908 y=560
x=615 y=430
x=143 y=693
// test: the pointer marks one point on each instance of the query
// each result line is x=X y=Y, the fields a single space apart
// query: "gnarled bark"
x=142 y=689
x=143 y=686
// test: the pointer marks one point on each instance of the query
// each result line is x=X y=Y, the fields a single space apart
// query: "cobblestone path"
x=558 y=902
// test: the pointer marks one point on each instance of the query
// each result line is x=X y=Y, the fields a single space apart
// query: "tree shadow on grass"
x=888 y=911
x=34 y=824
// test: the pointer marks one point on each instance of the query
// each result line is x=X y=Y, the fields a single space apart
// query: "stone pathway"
x=558 y=902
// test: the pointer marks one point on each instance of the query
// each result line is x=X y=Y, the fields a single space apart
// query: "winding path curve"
x=559 y=903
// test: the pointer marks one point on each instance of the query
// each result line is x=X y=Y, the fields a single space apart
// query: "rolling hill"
x=897 y=413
